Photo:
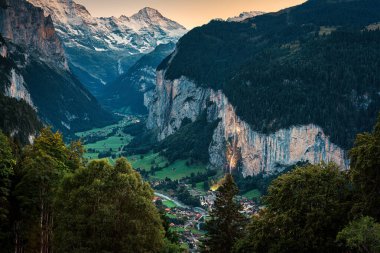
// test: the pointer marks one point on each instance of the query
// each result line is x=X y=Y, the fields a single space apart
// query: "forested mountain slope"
x=312 y=69
x=315 y=63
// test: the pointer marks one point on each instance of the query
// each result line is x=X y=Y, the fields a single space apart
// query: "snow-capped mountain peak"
x=149 y=13
x=116 y=41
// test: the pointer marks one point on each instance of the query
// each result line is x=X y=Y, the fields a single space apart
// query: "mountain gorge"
x=134 y=90
x=283 y=86
x=35 y=71
x=115 y=42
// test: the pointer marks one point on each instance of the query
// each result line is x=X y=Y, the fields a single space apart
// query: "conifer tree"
x=226 y=223
x=42 y=167
x=365 y=172
x=7 y=163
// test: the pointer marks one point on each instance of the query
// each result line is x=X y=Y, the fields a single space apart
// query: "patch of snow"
x=66 y=125
x=100 y=49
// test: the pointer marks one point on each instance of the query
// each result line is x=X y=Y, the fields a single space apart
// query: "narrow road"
x=169 y=198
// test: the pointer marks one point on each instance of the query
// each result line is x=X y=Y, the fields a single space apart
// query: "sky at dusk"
x=189 y=13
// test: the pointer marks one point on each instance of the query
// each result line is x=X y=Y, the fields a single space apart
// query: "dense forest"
x=18 y=119
x=316 y=63
x=192 y=140
x=52 y=200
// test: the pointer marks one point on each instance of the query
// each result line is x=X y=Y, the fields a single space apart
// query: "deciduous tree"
x=106 y=209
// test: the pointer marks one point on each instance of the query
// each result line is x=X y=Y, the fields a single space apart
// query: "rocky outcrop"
x=245 y=15
x=17 y=89
x=25 y=25
x=235 y=144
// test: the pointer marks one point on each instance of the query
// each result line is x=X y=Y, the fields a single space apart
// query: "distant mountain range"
x=101 y=49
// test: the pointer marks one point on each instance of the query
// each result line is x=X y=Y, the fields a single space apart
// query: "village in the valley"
x=189 y=222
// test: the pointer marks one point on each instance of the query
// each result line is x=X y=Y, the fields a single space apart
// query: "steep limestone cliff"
x=235 y=145
x=26 y=25
x=17 y=88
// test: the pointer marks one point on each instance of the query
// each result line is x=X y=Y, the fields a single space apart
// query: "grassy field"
x=113 y=143
x=102 y=131
x=146 y=161
x=252 y=194
x=171 y=216
x=179 y=170
x=169 y=203
x=199 y=187
x=178 y=229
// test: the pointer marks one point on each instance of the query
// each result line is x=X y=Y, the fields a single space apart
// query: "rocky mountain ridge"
x=26 y=25
x=245 y=15
x=117 y=42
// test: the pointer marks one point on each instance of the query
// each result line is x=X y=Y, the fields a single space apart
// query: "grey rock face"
x=25 y=25
x=245 y=15
x=234 y=141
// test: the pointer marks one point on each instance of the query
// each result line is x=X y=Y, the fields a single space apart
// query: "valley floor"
x=174 y=182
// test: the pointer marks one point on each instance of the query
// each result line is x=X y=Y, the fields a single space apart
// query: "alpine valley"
x=255 y=133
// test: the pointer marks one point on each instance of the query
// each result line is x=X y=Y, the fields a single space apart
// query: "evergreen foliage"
x=312 y=64
x=305 y=209
x=362 y=235
x=225 y=226
x=7 y=164
x=365 y=172
x=190 y=141
x=18 y=115
x=42 y=167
